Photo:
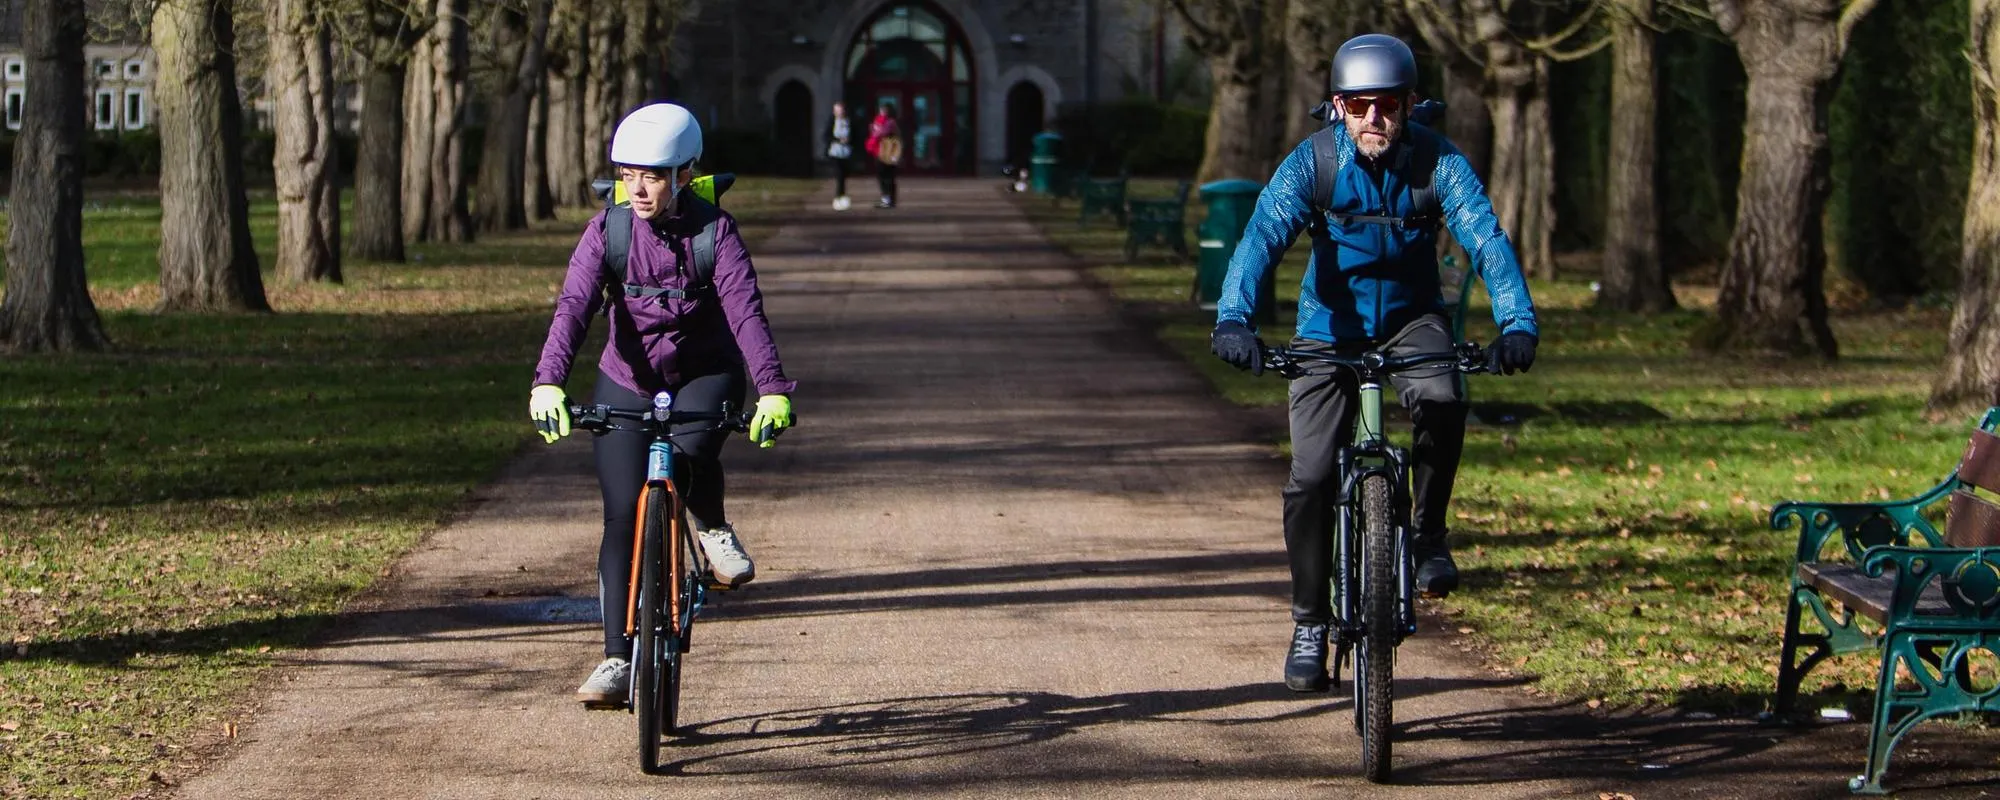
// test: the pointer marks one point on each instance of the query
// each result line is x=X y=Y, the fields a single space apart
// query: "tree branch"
x=1549 y=42
x=1850 y=17
x=1202 y=36
x=1579 y=54
x=1728 y=15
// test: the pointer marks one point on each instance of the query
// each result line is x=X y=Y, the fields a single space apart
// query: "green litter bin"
x=1229 y=204
x=1042 y=165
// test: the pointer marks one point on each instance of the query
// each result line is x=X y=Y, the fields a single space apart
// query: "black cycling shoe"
x=1437 y=574
x=1305 y=666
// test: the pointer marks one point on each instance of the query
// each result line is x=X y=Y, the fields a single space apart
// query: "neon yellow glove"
x=548 y=406
x=774 y=415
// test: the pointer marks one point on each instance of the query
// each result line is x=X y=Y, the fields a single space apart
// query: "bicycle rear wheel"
x=1375 y=659
x=650 y=666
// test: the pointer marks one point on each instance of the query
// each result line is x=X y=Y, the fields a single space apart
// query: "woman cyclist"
x=703 y=340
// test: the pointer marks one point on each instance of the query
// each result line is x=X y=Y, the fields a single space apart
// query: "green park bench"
x=1158 y=221
x=1933 y=598
x=1101 y=196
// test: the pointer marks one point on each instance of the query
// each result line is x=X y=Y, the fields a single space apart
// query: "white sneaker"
x=841 y=203
x=731 y=565
x=609 y=686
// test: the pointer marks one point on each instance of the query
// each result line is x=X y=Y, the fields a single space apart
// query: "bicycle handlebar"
x=600 y=417
x=1467 y=357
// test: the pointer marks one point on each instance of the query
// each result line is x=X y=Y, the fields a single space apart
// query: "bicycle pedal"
x=719 y=586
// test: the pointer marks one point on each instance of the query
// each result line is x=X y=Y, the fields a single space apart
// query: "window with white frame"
x=135 y=69
x=135 y=109
x=17 y=69
x=107 y=69
x=16 y=97
x=107 y=107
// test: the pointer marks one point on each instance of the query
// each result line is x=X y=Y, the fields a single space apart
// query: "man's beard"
x=1372 y=147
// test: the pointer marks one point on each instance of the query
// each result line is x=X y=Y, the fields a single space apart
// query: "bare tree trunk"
x=47 y=303
x=635 y=85
x=1634 y=278
x=569 y=61
x=207 y=262
x=1971 y=375
x=503 y=202
x=1773 y=299
x=603 y=71
x=450 y=218
x=1230 y=148
x=1520 y=178
x=535 y=186
x=1243 y=41
x=1311 y=36
x=377 y=231
x=419 y=133
x=299 y=78
x=1467 y=122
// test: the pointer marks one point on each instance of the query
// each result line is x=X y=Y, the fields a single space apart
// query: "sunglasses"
x=1358 y=106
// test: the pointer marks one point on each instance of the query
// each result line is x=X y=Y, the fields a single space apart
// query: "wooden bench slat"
x=1869 y=597
x=1974 y=521
x=1981 y=464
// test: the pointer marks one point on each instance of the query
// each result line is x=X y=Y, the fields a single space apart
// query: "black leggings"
x=621 y=473
x=886 y=176
x=839 y=177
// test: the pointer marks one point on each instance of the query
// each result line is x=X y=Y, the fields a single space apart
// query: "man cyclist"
x=1372 y=282
x=671 y=330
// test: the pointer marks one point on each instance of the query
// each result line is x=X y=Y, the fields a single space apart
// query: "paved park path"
x=1014 y=550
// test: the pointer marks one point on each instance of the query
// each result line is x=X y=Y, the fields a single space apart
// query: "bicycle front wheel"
x=651 y=664
x=1375 y=660
x=683 y=577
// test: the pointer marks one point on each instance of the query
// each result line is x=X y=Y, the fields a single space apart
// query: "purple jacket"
x=657 y=343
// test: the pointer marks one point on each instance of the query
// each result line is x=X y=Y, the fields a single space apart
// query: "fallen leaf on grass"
x=10 y=726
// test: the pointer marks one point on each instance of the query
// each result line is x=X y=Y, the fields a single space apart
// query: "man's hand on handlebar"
x=1235 y=343
x=1511 y=353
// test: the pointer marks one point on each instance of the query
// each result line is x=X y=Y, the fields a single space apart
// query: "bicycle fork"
x=1369 y=455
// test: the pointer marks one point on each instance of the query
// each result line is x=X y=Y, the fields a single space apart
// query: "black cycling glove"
x=1235 y=343
x=1511 y=353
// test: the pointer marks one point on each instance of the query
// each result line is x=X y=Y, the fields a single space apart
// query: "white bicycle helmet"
x=661 y=135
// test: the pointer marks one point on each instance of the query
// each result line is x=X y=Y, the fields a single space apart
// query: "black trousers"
x=1323 y=413
x=885 y=174
x=839 y=177
x=621 y=474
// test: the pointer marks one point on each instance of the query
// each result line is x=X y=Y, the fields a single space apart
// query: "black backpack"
x=618 y=240
x=1419 y=173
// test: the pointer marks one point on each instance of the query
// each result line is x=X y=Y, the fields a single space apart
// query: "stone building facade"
x=972 y=81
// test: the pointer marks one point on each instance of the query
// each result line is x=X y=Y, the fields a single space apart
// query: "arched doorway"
x=1025 y=107
x=793 y=136
x=916 y=59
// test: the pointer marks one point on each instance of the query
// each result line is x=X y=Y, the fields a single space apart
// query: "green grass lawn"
x=1614 y=535
x=216 y=487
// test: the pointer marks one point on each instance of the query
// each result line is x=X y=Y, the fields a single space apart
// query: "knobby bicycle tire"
x=1375 y=661
x=647 y=668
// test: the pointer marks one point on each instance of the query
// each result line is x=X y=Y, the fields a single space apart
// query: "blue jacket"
x=1365 y=281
